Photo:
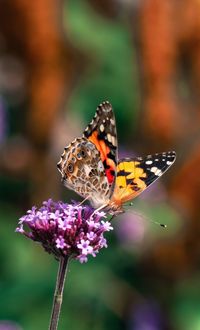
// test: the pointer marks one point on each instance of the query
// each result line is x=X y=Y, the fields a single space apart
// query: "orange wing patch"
x=100 y=145
x=130 y=181
x=104 y=151
x=136 y=174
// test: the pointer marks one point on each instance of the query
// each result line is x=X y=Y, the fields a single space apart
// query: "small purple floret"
x=66 y=229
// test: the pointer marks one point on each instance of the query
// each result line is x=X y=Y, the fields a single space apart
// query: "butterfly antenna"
x=158 y=223
x=145 y=218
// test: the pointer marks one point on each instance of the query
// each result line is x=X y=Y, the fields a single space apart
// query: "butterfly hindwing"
x=82 y=171
x=136 y=174
x=102 y=132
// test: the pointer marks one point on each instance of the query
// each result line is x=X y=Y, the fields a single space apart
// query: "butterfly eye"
x=70 y=168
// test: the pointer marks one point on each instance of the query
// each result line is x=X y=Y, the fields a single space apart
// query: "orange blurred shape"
x=16 y=155
x=170 y=33
x=161 y=120
x=185 y=188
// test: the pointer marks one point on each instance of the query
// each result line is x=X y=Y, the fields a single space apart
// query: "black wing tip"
x=164 y=153
x=172 y=154
x=105 y=106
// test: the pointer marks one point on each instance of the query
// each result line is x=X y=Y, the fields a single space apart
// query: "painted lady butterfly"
x=89 y=165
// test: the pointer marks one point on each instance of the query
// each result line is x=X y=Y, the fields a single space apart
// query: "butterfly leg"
x=99 y=209
x=83 y=201
x=112 y=217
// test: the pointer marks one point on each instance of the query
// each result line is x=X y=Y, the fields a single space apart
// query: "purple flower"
x=146 y=316
x=107 y=226
x=60 y=242
x=91 y=235
x=66 y=229
x=131 y=228
x=9 y=325
x=85 y=247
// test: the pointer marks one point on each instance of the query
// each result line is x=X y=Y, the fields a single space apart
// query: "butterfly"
x=89 y=165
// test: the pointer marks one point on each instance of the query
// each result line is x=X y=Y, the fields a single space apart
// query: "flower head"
x=66 y=229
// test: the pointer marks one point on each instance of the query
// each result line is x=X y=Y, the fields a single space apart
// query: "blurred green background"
x=58 y=61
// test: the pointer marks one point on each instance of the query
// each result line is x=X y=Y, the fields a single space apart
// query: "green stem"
x=58 y=294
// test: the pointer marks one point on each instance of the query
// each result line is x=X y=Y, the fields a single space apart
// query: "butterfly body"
x=89 y=165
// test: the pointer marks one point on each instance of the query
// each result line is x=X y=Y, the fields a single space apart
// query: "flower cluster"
x=66 y=229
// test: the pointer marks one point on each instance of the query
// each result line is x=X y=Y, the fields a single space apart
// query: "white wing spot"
x=101 y=127
x=156 y=171
x=113 y=140
x=109 y=136
x=149 y=162
x=169 y=163
x=159 y=173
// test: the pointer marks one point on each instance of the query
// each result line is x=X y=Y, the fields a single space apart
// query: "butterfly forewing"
x=134 y=175
x=102 y=132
